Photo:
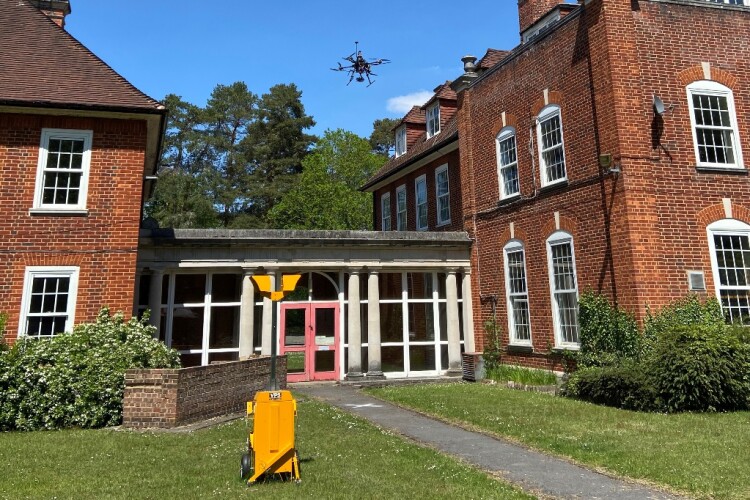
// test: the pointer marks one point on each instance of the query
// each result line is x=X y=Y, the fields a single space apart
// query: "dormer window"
x=401 y=140
x=433 y=120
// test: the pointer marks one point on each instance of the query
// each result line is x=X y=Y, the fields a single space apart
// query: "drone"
x=360 y=66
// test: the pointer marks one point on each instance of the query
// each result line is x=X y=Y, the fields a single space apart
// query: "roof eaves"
x=408 y=161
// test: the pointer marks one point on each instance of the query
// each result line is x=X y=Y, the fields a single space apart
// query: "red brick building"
x=605 y=151
x=77 y=142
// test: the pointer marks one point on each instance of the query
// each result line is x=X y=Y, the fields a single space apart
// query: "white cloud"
x=403 y=103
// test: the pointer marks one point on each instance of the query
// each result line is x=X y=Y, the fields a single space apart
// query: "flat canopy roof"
x=292 y=249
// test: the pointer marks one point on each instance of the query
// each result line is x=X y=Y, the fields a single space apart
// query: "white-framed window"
x=385 y=212
x=201 y=314
x=401 y=140
x=420 y=191
x=507 y=163
x=49 y=301
x=551 y=147
x=714 y=124
x=519 y=324
x=401 y=208
x=563 y=288
x=442 y=195
x=433 y=120
x=731 y=2
x=63 y=170
x=729 y=241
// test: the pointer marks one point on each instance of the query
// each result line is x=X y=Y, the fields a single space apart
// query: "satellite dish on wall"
x=659 y=107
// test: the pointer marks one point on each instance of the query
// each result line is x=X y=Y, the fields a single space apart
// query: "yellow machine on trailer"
x=270 y=446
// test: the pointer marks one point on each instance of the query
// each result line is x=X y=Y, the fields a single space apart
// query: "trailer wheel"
x=246 y=466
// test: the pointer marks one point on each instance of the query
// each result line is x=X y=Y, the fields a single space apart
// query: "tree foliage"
x=327 y=195
x=382 y=139
x=229 y=162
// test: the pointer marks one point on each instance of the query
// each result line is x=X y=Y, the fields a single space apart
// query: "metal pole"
x=273 y=386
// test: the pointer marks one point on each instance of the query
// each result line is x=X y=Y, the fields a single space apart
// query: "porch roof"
x=293 y=249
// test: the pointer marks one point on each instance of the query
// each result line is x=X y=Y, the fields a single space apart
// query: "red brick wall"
x=428 y=170
x=660 y=49
x=172 y=397
x=103 y=244
x=636 y=234
x=587 y=204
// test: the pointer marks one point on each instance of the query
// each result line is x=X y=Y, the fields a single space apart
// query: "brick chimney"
x=54 y=9
x=530 y=11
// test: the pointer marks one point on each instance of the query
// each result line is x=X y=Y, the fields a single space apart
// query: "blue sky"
x=186 y=47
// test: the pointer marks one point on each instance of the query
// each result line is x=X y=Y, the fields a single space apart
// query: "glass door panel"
x=324 y=353
x=295 y=327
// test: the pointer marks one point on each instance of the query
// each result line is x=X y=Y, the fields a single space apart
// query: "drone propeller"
x=380 y=61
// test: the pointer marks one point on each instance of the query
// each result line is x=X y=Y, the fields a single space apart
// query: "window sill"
x=58 y=212
x=441 y=224
x=520 y=349
x=509 y=200
x=554 y=187
x=721 y=170
x=564 y=349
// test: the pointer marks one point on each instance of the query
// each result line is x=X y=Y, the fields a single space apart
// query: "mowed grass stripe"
x=342 y=457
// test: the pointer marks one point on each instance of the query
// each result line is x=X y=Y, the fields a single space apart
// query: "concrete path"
x=533 y=471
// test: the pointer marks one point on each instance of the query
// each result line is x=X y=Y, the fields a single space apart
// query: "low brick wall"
x=172 y=397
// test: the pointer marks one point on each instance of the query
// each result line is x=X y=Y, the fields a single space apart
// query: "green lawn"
x=342 y=457
x=707 y=455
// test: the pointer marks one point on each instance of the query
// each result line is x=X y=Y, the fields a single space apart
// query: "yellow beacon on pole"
x=270 y=447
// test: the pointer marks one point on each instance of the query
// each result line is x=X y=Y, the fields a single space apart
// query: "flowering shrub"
x=76 y=379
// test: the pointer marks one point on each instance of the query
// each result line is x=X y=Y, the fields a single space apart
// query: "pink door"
x=309 y=336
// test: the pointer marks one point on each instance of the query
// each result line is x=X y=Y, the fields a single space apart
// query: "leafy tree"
x=230 y=162
x=275 y=146
x=382 y=139
x=181 y=198
x=180 y=201
x=185 y=144
x=327 y=195
x=229 y=113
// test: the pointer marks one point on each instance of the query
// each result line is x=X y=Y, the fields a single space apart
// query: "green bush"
x=701 y=367
x=607 y=334
x=76 y=379
x=624 y=386
x=687 y=311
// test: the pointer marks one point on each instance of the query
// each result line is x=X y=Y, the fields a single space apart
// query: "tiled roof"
x=442 y=91
x=415 y=115
x=421 y=148
x=491 y=57
x=42 y=65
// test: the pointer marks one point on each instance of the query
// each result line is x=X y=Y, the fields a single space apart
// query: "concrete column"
x=268 y=312
x=454 y=334
x=374 y=368
x=469 y=345
x=154 y=300
x=247 y=315
x=354 y=328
